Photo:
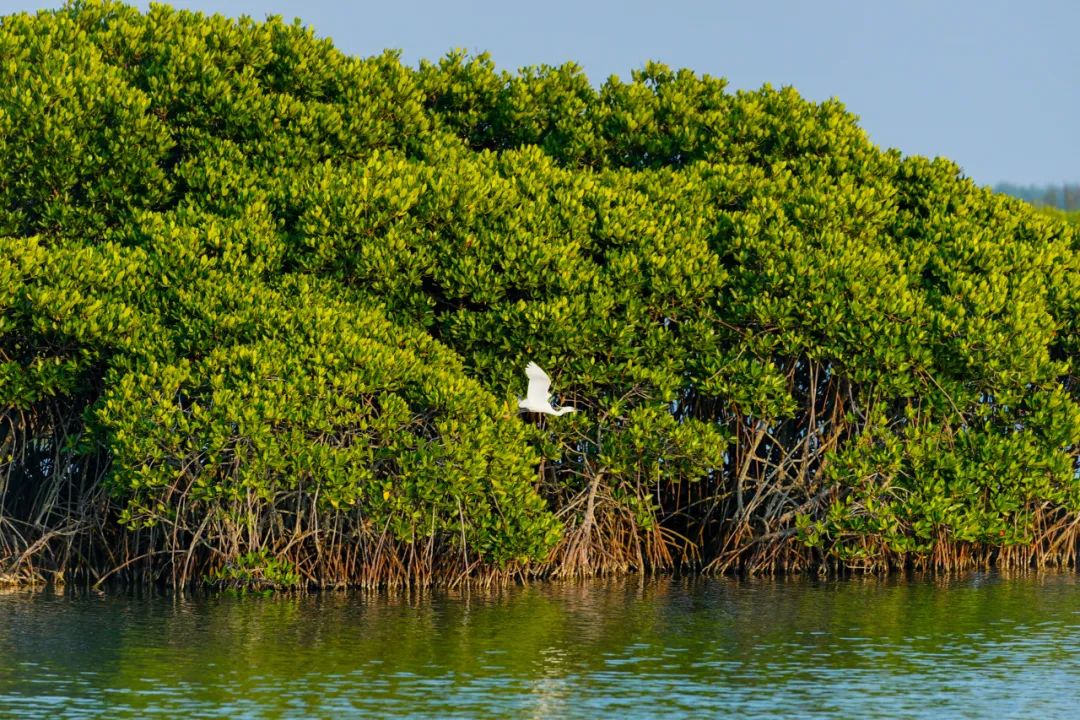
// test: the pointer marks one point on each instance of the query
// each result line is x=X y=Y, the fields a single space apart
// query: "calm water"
x=973 y=646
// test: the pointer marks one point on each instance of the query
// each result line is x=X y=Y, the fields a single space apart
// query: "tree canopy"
x=265 y=307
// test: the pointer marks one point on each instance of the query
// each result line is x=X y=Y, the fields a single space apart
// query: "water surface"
x=977 y=645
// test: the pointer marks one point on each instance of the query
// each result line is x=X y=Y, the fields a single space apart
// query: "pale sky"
x=990 y=84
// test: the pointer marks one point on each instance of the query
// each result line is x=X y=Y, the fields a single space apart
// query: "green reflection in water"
x=968 y=646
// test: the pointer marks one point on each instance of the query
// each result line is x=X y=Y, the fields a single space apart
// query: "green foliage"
x=256 y=570
x=331 y=403
x=1070 y=216
x=283 y=298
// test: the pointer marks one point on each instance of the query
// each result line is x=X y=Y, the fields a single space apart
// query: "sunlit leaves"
x=269 y=272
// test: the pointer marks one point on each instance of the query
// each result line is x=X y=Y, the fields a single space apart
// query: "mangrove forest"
x=266 y=309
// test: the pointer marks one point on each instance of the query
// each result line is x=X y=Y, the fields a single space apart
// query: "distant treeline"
x=265 y=309
x=1063 y=197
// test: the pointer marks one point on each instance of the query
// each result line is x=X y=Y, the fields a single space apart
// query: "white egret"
x=537 y=398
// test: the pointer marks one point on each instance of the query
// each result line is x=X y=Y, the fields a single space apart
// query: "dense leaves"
x=264 y=308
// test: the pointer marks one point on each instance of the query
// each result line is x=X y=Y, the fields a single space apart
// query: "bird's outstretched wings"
x=539 y=384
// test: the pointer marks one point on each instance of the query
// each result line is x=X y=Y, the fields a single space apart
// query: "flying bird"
x=537 y=398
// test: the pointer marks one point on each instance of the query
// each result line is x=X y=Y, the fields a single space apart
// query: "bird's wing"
x=539 y=384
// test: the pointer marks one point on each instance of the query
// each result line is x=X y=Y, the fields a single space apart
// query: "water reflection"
x=968 y=646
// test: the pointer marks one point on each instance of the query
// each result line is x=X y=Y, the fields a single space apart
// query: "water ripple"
x=966 y=647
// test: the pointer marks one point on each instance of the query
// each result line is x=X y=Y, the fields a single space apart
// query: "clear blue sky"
x=991 y=84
